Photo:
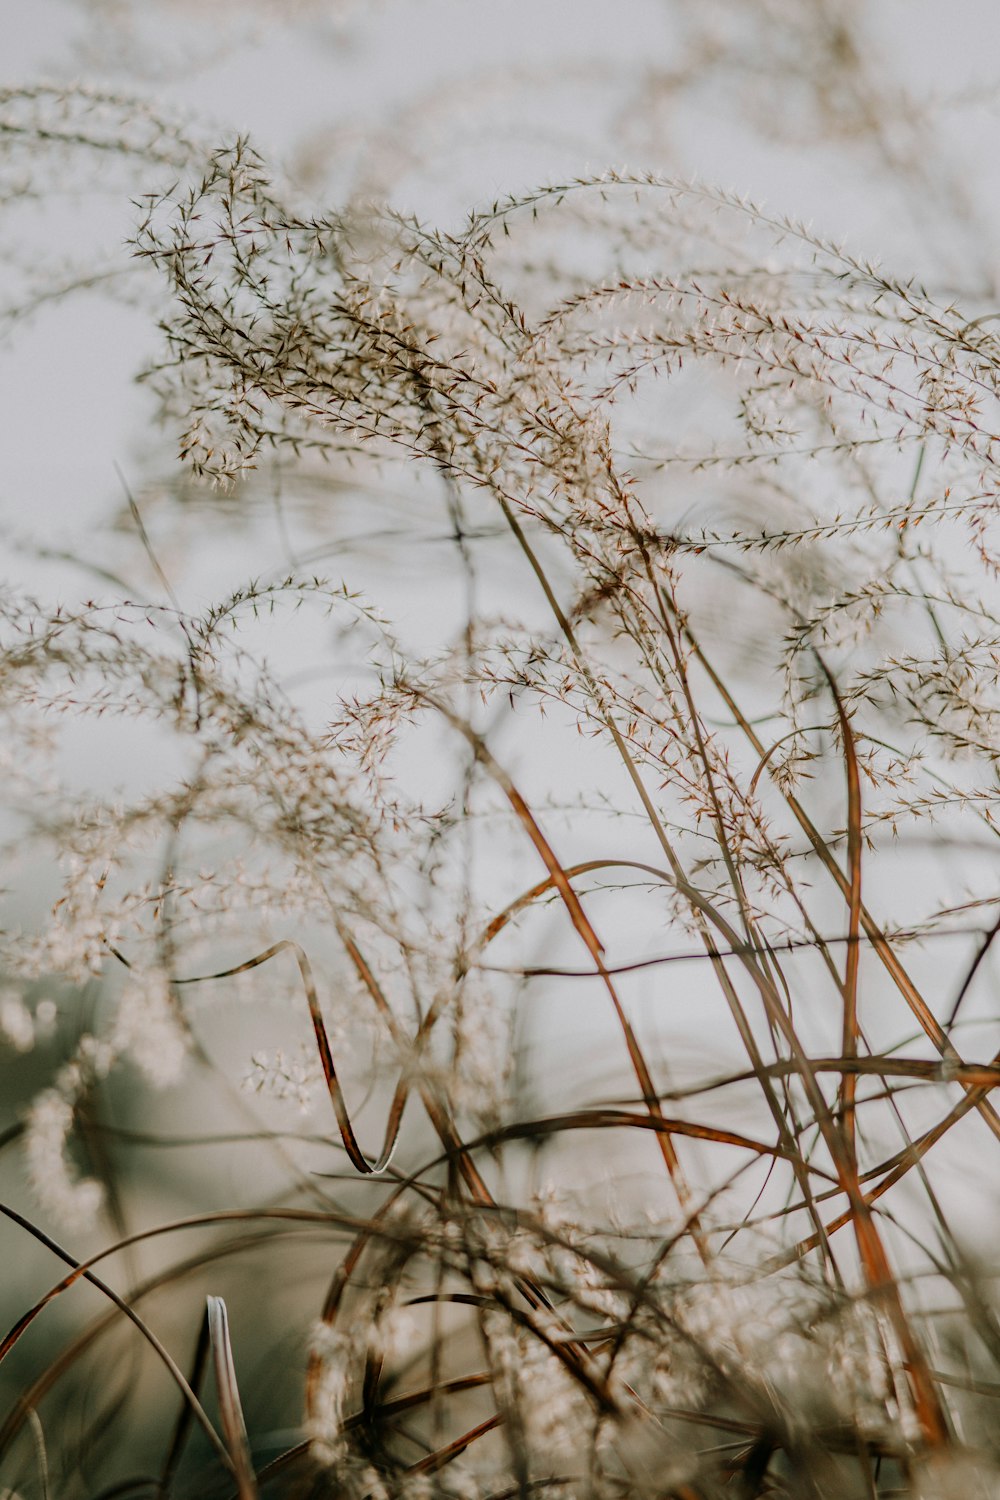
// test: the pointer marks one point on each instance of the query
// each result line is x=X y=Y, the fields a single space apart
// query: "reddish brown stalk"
x=849 y=1045
x=442 y=1456
x=456 y=1153
x=595 y=948
x=44 y=1383
x=880 y=944
x=761 y=1070
x=351 y=1145
x=979 y=1079
x=878 y=1272
x=655 y=822
x=622 y=1119
x=128 y=1310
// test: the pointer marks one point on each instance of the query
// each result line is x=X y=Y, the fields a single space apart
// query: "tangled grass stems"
x=738 y=1263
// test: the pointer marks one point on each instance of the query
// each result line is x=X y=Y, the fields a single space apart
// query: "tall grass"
x=621 y=916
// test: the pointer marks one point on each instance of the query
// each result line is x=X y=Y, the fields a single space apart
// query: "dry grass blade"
x=560 y=880
x=853 y=959
x=230 y=1406
x=129 y=1312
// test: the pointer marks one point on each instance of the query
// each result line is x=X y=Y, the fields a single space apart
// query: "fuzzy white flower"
x=16 y=1023
x=335 y=1351
x=282 y=1076
x=554 y=1411
x=46 y=1016
x=394 y=1333
x=72 y=1200
x=149 y=1029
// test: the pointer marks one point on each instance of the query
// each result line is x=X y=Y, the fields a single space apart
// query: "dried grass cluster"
x=694 y=764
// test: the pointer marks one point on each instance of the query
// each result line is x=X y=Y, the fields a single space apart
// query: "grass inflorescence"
x=525 y=1025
